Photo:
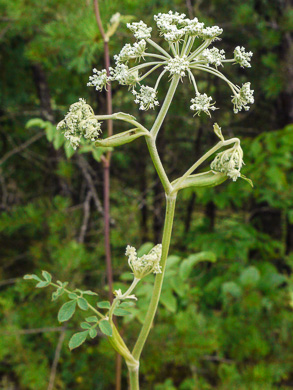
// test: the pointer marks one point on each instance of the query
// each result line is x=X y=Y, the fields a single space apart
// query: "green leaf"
x=92 y=319
x=58 y=140
x=169 y=301
x=250 y=276
x=66 y=311
x=126 y=304
x=231 y=288
x=89 y=292
x=82 y=303
x=104 y=305
x=50 y=132
x=42 y=284
x=145 y=248
x=36 y=122
x=247 y=179
x=121 y=312
x=93 y=333
x=188 y=264
x=47 y=276
x=77 y=339
x=85 y=325
x=72 y=296
x=99 y=151
x=56 y=294
x=32 y=276
x=68 y=149
x=105 y=327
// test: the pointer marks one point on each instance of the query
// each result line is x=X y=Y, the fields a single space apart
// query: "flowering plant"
x=189 y=53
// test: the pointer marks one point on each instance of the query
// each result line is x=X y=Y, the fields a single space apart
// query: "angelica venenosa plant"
x=189 y=54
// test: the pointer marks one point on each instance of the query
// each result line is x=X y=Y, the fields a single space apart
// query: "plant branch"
x=169 y=217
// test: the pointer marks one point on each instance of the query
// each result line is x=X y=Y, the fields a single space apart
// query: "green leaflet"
x=105 y=327
x=82 y=304
x=77 y=339
x=66 y=311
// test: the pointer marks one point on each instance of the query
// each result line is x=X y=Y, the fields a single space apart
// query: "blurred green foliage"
x=225 y=322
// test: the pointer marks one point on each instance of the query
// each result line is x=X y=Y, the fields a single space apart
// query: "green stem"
x=218 y=146
x=151 y=143
x=133 y=378
x=169 y=217
x=164 y=109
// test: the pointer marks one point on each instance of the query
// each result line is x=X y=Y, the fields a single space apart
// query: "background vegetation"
x=225 y=324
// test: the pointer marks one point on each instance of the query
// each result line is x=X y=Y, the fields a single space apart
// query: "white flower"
x=146 y=98
x=145 y=265
x=234 y=174
x=213 y=56
x=123 y=75
x=80 y=121
x=229 y=162
x=74 y=141
x=178 y=65
x=174 y=34
x=243 y=98
x=211 y=32
x=140 y=30
x=128 y=52
x=241 y=57
x=194 y=28
x=164 y=21
x=202 y=102
x=98 y=80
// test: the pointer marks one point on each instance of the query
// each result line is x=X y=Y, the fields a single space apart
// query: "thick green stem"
x=133 y=378
x=169 y=216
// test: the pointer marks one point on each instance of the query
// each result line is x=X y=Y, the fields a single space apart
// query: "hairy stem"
x=169 y=217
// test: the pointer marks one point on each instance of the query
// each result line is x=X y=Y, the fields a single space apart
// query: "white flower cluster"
x=243 y=98
x=229 y=162
x=213 y=56
x=202 y=102
x=146 y=98
x=123 y=75
x=128 y=52
x=211 y=32
x=140 y=30
x=173 y=26
x=178 y=65
x=98 y=80
x=241 y=57
x=145 y=265
x=80 y=121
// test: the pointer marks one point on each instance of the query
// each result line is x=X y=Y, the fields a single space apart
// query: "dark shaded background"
x=229 y=325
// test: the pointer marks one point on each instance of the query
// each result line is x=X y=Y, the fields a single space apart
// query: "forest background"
x=225 y=324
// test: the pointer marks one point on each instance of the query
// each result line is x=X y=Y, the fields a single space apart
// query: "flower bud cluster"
x=98 y=80
x=213 y=56
x=145 y=265
x=243 y=98
x=80 y=121
x=128 y=52
x=124 y=75
x=241 y=57
x=229 y=162
x=202 y=102
x=140 y=30
x=173 y=26
x=146 y=98
x=178 y=65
